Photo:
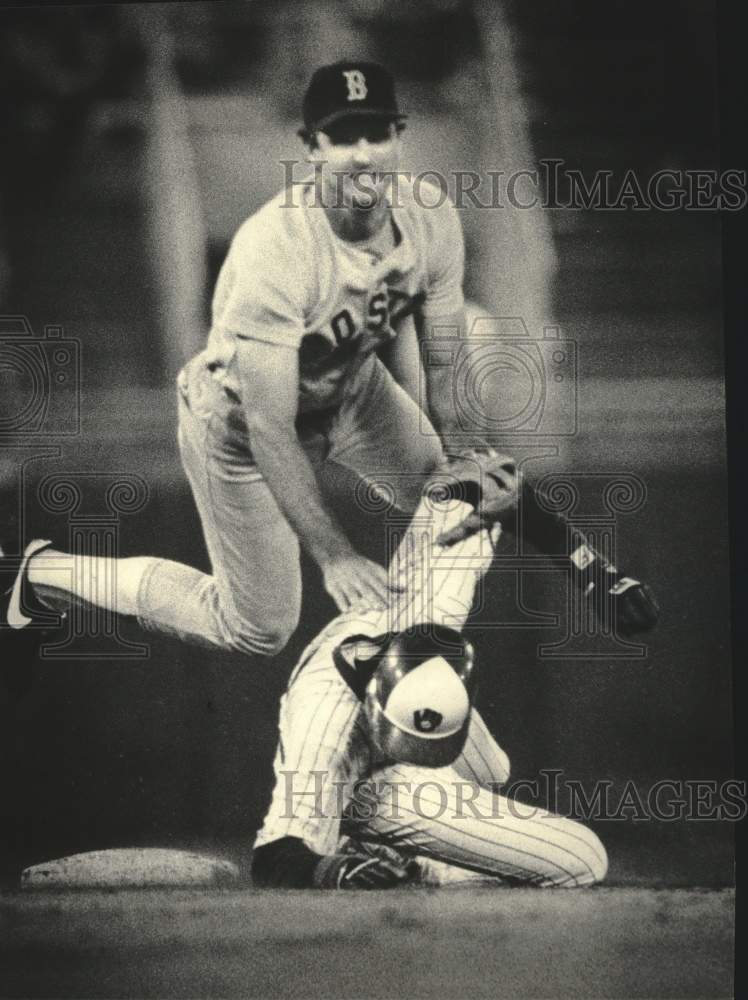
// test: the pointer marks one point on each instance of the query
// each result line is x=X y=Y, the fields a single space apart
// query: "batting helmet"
x=419 y=697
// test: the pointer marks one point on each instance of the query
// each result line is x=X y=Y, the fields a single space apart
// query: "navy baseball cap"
x=347 y=89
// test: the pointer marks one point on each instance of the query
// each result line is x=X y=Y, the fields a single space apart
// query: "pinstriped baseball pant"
x=441 y=815
x=252 y=598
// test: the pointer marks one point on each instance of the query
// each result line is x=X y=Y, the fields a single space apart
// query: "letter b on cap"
x=356 y=82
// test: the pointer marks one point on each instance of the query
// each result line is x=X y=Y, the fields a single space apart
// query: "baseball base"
x=130 y=867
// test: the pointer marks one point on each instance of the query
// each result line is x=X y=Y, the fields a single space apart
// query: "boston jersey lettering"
x=326 y=298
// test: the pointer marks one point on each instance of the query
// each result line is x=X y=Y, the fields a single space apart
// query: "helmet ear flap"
x=374 y=715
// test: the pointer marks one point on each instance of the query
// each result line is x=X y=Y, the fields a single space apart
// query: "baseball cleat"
x=24 y=622
x=631 y=605
x=628 y=604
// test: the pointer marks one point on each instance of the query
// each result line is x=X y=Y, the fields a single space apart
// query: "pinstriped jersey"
x=288 y=279
x=324 y=743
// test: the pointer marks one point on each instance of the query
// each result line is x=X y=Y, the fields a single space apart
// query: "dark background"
x=176 y=748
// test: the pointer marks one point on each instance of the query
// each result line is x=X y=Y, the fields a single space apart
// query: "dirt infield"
x=609 y=942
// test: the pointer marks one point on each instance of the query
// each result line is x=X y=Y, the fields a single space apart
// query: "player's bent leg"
x=251 y=602
x=177 y=600
x=55 y=580
x=254 y=597
x=440 y=815
x=165 y=596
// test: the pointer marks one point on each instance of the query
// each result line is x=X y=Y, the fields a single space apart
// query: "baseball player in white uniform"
x=290 y=392
x=384 y=773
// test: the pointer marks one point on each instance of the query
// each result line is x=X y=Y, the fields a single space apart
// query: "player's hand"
x=351 y=578
x=360 y=869
x=489 y=481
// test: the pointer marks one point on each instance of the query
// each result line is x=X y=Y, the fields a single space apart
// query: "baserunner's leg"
x=438 y=814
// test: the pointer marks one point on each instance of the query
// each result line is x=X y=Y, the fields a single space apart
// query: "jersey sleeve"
x=261 y=294
x=446 y=262
x=431 y=582
x=322 y=753
x=428 y=582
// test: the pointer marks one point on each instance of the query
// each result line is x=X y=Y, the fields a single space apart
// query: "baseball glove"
x=482 y=477
x=361 y=867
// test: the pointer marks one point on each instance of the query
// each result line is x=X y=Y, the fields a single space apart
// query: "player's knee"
x=263 y=639
x=276 y=640
x=263 y=642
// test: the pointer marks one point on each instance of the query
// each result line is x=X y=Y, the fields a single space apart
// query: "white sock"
x=96 y=580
